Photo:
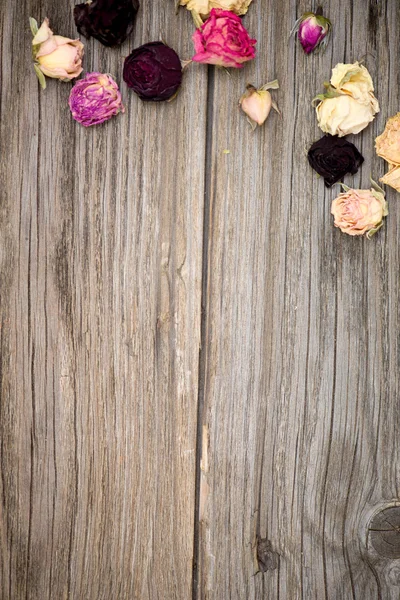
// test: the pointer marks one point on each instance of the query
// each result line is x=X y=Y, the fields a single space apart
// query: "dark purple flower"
x=312 y=30
x=333 y=157
x=95 y=99
x=153 y=71
x=109 y=21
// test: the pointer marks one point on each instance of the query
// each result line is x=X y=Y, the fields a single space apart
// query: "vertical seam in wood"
x=203 y=323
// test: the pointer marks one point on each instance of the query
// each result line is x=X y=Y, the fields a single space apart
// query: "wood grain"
x=301 y=358
x=101 y=252
x=199 y=374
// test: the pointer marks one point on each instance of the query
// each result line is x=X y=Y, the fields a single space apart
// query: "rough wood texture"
x=302 y=359
x=291 y=415
x=101 y=252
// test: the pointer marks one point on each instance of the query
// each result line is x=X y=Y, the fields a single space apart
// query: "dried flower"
x=95 y=99
x=312 y=30
x=109 y=21
x=54 y=55
x=153 y=71
x=392 y=178
x=388 y=143
x=204 y=7
x=333 y=157
x=257 y=103
x=349 y=104
x=222 y=40
x=360 y=211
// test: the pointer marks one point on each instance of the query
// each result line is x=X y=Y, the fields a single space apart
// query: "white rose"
x=343 y=115
x=349 y=103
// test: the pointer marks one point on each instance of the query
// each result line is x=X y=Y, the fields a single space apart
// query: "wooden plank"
x=100 y=272
x=301 y=354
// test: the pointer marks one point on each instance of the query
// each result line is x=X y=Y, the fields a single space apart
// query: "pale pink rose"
x=57 y=56
x=359 y=211
x=257 y=104
x=222 y=40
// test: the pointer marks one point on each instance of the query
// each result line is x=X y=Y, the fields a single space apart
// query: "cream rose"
x=388 y=143
x=55 y=56
x=392 y=178
x=203 y=7
x=343 y=115
x=360 y=211
x=349 y=104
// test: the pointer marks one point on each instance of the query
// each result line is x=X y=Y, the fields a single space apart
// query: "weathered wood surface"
x=301 y=380
x=138 y=340
x=101 y=262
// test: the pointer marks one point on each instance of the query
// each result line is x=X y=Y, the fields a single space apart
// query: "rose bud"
x=312 y=30
x=204 y=7
x=109 y=21
x=360 y=211
x=222 y=40
x=153 y=71
x=55 y=56
x=349 y=104
x=388 y=143
x=258 y=103
x=95 y=99
x=392 y=178
x=333 y=157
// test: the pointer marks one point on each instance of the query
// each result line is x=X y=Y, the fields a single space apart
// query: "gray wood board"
x=173 y=390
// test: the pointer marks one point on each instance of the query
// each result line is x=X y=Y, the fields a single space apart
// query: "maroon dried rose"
x=332 y=157
x=109 y=21
x=153 y=71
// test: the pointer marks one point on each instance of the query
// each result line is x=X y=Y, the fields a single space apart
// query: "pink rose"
x=359 y=211
x=222 y=40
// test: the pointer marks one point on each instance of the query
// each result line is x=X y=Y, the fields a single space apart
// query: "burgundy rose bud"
x=332 y=157
x=312 y=30
x=109 y=21
x=153 y=71
x=95 y=99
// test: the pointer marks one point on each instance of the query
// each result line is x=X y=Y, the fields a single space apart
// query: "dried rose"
x=257 y=103
x=204 y=7
x=222 y=40
x=109 y=21
x=392 y=178
x=153 y=71
x=333 y=157
x=388 y=143
x=95 y=99
x=349 y=104
x=312 y=30
x=54 y=55
x=360 y=211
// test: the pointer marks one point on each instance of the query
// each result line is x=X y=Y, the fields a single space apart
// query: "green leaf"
x=376 y=187
x=345 y=187
x=33 y=25
x=40 y=76
x=272 y=85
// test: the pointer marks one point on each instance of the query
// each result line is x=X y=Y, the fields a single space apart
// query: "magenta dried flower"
x=312 y=30
x=109 y=21
x=153 y=71
x=95 y=99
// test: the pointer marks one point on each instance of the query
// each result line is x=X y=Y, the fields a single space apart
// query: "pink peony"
x=222 y=40
x=95 y=99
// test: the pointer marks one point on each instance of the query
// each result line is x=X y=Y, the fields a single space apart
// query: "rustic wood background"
x=196 y=368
